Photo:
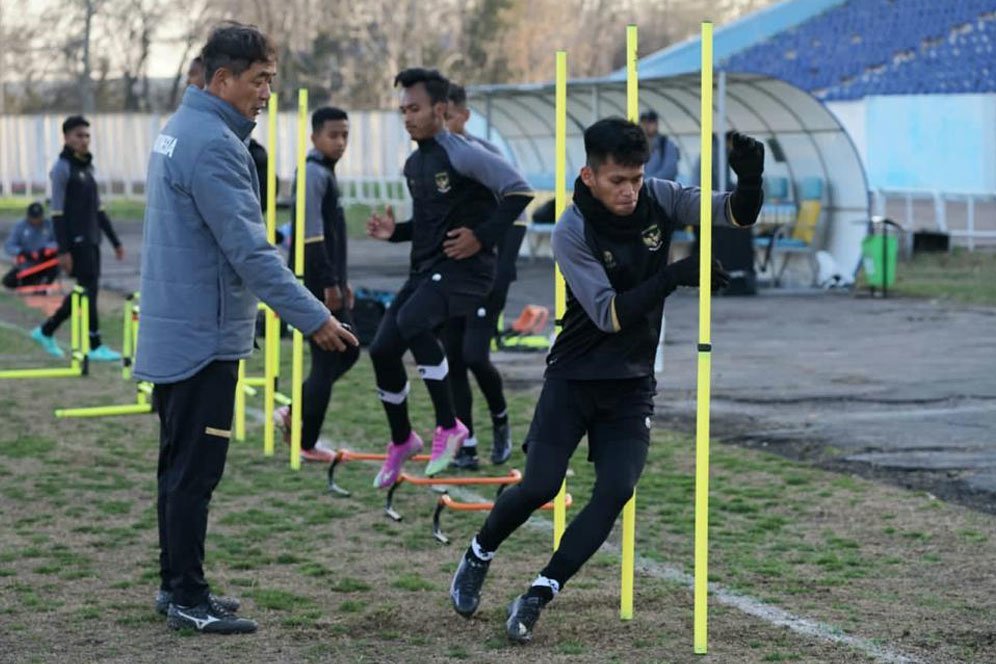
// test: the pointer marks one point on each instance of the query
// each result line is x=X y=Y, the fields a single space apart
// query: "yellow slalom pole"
x=705 y=356
x=74 y=329
x=85 y=331
x=560 y=289
x=240 y=403
x=271 y=333
x=297 y=355
x=126 y=339
x=629 y=511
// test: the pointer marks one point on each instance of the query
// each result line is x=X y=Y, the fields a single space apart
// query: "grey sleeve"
x=491 y=170
x=486 y=144
x=681 y=203
x=59 y=176
x=315 y=186
x=583 y=272
x=222 y=189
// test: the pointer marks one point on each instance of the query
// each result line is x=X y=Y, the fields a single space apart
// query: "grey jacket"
x=25 y=237
x=205 y=257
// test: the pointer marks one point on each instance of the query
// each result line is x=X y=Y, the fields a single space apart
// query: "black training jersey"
x=455 y=183
x=592 y=345
x=76 y=210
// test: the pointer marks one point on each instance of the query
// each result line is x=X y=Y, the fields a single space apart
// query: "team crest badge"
x=609 y=259
x=443 y=182
x=652 y=237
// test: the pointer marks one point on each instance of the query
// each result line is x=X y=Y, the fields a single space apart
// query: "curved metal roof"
x=812 y=142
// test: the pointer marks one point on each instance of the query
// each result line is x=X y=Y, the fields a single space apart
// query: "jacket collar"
x=199 y=100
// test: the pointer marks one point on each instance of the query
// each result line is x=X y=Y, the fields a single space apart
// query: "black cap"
x=36 y=210
x=648 y=116
x=72 y=122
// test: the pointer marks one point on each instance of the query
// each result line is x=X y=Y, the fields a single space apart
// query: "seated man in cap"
x=31 y=244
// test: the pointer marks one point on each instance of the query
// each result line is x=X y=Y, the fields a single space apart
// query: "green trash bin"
x=879 y=254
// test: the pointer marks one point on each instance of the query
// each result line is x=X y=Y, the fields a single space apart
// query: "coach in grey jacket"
x=205 y=259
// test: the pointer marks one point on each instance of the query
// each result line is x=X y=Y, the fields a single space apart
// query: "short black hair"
x=72 y=122
x=326 y=114
x=648 y=116
x=621 y=140
x=236 y=47
x=458 y=94
x=437 y=85
x=36 y=210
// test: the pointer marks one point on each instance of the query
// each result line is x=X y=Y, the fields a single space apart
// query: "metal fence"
x=121 y=143
x=970 y=219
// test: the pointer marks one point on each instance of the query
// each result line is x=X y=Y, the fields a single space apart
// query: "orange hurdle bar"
x=342 y=456
x=513 y=477
x=445 y=502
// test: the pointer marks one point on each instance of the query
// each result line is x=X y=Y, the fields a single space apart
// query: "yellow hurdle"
x=79 y=321
x=629 y=511
x=297 y=352
x=560 y=290
x=705 y=357
x=143 y=390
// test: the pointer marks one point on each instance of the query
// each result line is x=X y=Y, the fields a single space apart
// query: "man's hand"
x=350 y=296
x=746 y=158
x=333 y=335
x=461 y=244
x=119 y=252
x=66 y=262
x=381 y=227
x=333 y=298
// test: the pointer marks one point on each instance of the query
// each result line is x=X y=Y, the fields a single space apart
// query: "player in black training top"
x=80 y=221
x=468 y=338
x=464 y=199
x=325 y=275
x=612 y=247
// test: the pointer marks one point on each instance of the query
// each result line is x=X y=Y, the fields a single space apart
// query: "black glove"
x=633 y=305
x=686 y=272
x=746 y=158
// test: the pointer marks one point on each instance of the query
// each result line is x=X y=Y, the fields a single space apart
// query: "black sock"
x=544 y=593
x=500 y=419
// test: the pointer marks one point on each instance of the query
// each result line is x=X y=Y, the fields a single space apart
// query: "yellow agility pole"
x=705 y=356
x=629 y=511
x=79 y=326
x=560 y=289
x=271 y=331
x=297 y=352
x=127 y=347
x=239 y=432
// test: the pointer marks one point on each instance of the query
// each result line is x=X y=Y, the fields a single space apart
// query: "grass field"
x=331 y=579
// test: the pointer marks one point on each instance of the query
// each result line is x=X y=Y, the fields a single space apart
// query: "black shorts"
x=608 y=411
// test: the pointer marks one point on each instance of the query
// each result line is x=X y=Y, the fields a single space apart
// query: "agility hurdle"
x=342 y=456
x=80 y=344
x=446 y=502
x=143 y=390
x=270 y=379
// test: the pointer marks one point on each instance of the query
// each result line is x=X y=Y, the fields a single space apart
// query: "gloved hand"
x=746 y=158
x=685 y=272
